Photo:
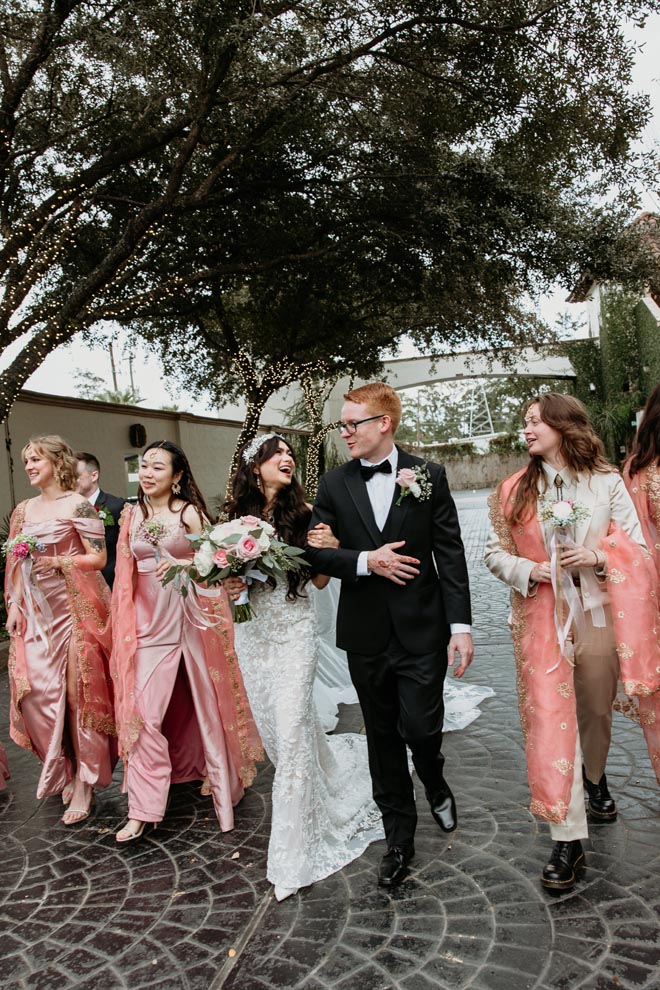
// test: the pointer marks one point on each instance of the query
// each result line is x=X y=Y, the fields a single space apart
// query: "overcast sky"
x=55 y=376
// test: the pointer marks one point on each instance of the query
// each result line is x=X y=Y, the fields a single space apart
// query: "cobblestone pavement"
x=189 y=909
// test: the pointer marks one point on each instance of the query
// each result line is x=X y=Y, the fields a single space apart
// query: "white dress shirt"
x=380 y=489
x=92 y=498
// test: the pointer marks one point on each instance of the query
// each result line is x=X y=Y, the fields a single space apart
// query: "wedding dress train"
x=323 y=814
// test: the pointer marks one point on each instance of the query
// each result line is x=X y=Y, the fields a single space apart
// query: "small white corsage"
x=562 y=513
x=105 y=515
x=416 y=482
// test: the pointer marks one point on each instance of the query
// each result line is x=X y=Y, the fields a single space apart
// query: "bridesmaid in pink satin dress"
x=181 y=708
x=58 y=621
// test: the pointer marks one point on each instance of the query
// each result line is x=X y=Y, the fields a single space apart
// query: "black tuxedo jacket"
x=372 y=609
x=114 y=505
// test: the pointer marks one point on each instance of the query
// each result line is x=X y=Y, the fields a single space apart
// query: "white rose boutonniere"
x=416 y=482
x=105 y=515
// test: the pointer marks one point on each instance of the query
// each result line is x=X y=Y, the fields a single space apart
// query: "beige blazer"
x=606 y=498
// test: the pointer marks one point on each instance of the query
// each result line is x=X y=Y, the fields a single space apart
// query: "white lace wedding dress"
x=323 y=814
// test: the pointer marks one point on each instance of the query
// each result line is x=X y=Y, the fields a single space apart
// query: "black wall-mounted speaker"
x=137 y=434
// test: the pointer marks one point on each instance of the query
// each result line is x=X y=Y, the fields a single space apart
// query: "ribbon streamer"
x=36 y=603
x=565 y=590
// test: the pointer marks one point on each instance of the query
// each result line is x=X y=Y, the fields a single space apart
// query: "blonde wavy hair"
x=61 y=456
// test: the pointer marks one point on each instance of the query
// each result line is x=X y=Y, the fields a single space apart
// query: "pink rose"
x=251 y=521
x=220 y=558
x=20 y=551
x=247 y=548
x=406 y=477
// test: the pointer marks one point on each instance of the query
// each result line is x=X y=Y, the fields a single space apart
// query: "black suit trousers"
x=401 y=696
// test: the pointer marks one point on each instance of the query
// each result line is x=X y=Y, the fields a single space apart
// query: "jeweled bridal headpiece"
x=259 y=441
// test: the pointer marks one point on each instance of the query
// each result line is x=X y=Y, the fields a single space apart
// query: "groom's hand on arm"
x=387 y=563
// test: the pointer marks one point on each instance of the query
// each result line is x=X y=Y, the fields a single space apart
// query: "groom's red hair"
x=379 y=399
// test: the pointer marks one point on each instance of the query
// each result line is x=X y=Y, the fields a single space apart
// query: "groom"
x=404 y=609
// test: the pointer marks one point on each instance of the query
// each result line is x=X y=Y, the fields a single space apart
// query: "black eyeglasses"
x=351 y=428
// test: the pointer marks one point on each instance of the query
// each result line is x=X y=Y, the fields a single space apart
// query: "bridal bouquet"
x=244 y=547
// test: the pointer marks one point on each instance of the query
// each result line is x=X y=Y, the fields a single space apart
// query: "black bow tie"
x=369 y=470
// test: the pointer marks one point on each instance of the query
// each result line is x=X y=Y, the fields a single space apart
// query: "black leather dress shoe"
x=566 y=863
x=601 y=803
x=443 y=809
x=394 y=865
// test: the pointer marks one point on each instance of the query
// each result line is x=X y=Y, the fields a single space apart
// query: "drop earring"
x=176 y=487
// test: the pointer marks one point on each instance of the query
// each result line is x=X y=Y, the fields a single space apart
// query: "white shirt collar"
x=92 y=498
x=392 y=457
x=551 y=473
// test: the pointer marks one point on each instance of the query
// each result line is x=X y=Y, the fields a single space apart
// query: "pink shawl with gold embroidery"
x=644 y=490
x=546 y=696
x=89 y=600
x=220 y=658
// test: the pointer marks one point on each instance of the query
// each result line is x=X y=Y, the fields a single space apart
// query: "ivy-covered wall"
x=615 y=374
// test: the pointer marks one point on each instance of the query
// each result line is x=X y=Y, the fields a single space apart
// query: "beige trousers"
x=595 y=677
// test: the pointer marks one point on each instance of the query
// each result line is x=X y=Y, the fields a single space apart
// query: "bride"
x=323 y=815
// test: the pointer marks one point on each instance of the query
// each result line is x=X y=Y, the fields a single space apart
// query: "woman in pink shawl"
x=58 y=621
x=181 y=708
x=641 y=474
x=567 y=540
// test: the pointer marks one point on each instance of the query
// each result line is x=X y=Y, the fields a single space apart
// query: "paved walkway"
x=188 y=908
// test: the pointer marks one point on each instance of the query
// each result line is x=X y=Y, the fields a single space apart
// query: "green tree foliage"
x=260 y=187
x=91 y=386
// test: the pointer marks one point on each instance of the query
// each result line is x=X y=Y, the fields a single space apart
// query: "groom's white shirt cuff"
x=459 y=627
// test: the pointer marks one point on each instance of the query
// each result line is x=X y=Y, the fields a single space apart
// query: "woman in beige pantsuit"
x=567 y=687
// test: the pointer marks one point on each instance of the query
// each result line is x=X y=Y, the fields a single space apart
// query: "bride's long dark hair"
x=291 y=514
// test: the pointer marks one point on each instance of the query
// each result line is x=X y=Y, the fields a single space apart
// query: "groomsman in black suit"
x=108 y=506
x=404 y=609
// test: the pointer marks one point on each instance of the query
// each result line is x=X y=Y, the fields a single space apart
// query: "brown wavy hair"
x=646 y=448
x=189 y=494
x=580 y=447
x=60 y=454
x=291 y=514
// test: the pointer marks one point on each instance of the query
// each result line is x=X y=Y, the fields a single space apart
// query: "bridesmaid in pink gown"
x=58 y=621
x=181 y=708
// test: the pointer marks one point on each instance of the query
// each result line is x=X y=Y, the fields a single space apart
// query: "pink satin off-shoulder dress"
x=44 y=707
x=182 y=737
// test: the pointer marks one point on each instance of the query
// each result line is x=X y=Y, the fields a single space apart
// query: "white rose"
x=225 y=529
x=267 y=528
x=203 y=559
x=264 y=540
x=415 y=489
x=562 y=511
